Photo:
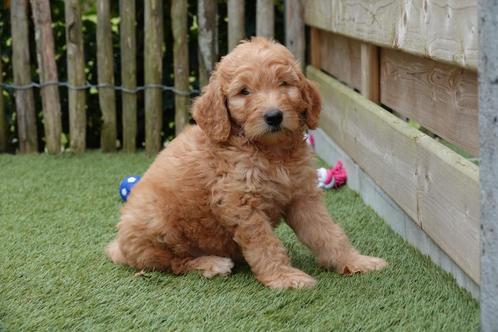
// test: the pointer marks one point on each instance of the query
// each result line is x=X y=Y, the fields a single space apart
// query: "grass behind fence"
x=58 y=213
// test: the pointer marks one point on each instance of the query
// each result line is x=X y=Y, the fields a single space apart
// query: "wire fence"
x=88 y=85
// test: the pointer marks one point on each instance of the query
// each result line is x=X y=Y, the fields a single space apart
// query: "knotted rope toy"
x=333 y=177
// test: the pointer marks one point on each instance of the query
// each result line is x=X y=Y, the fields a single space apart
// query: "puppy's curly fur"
x=216 y=193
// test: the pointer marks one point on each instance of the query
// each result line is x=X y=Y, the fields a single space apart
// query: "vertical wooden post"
x=488 y=124
x=48 y=73
x=315 y=52
x=265 y=18
x=127 y=37
x=294 y=29
x=105 y=69
x=370 y=79
x=21 y=64
x=76 y=75
x=207 y=11
x=236 y=22
x=4 y=127
x=153 y=74
x=180 y=57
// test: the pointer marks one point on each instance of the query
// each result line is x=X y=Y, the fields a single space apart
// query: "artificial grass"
x=58 y=213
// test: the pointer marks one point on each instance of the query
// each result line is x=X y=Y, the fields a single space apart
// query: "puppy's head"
x=259 y=88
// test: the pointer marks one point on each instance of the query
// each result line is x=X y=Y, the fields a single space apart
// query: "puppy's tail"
x=114 y=253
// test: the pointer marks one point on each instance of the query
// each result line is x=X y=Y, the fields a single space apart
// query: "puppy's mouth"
x=274 y=129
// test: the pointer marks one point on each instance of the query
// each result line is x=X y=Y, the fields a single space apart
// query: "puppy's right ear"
x=210 y=113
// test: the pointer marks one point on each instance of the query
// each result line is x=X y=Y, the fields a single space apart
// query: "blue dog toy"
x=126 y=185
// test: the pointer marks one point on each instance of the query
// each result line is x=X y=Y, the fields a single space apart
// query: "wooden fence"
x=153 y=28
x=409 y=60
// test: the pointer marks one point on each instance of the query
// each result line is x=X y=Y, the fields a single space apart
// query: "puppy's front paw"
x=289 y=278
x=360 y=264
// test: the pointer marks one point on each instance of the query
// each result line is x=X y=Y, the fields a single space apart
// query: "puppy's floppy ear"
x=314 y=101
x=210 y=113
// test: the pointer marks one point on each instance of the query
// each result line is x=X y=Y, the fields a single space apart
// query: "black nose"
x=273 y=117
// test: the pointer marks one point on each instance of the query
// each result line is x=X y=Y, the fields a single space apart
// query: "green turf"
x=58 y=213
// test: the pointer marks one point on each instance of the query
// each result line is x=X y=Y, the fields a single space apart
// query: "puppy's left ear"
x=210 y=112
x=314 y=101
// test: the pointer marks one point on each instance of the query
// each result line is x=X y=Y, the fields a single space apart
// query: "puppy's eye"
x=284 y=83
x=244 y=92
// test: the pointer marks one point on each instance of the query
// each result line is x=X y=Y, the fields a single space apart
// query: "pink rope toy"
x=333 y=177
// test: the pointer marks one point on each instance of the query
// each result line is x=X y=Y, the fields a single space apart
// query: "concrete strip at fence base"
x=387 y=209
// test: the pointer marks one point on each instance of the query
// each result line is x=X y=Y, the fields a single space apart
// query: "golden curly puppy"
x=216 y=193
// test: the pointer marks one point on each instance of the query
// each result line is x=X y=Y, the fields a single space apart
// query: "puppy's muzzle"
x=273 y=118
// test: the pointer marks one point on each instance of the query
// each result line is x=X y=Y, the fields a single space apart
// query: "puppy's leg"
x=309 y=218
x=266 y=255
x=209 y=266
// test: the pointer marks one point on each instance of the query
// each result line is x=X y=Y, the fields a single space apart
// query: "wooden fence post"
x=76 y=75
x=180 y=33
x=48 y=73
x=127 y=37
x=488 y=123
x=236 y=22
x=105 y=69
x=21 y=64
x=370 y=78
x=315 y=48
x=153 y=74
x=294 y=29
x=4 y=126
x=265 y=18
x=206 y=13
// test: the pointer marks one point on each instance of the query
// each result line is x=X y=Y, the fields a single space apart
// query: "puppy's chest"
x=273 y=183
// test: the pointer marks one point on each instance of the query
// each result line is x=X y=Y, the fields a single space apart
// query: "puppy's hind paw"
x=361 y=264
x=216 y=266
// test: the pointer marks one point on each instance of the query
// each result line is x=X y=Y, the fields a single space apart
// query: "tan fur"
x=220 y=188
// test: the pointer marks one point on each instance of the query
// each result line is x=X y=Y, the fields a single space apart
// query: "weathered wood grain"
x=341 y=57
x=236 y=22
x=370 y=78
x=180 y=59
x=436 y=187
x=315 y=53
x=265 y=18
x=208 y=41
x=441 y=97
x=76 y=75
x=294 y=29
x=128 y=43
x=448 y=202
x=445 y=30
x=153 y=50
x=105 y=70
x=21 y=65
x=47 y=68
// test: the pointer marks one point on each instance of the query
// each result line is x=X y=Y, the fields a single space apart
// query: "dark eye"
x=244 y=92
x=284 y=83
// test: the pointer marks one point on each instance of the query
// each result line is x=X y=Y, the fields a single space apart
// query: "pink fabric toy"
x=333 y=177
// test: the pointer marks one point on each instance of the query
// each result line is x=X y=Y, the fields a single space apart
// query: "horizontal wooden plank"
x=441 y=97
x=341 y=57
x=445 y=30
x=436 y=187
x=449 y=203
